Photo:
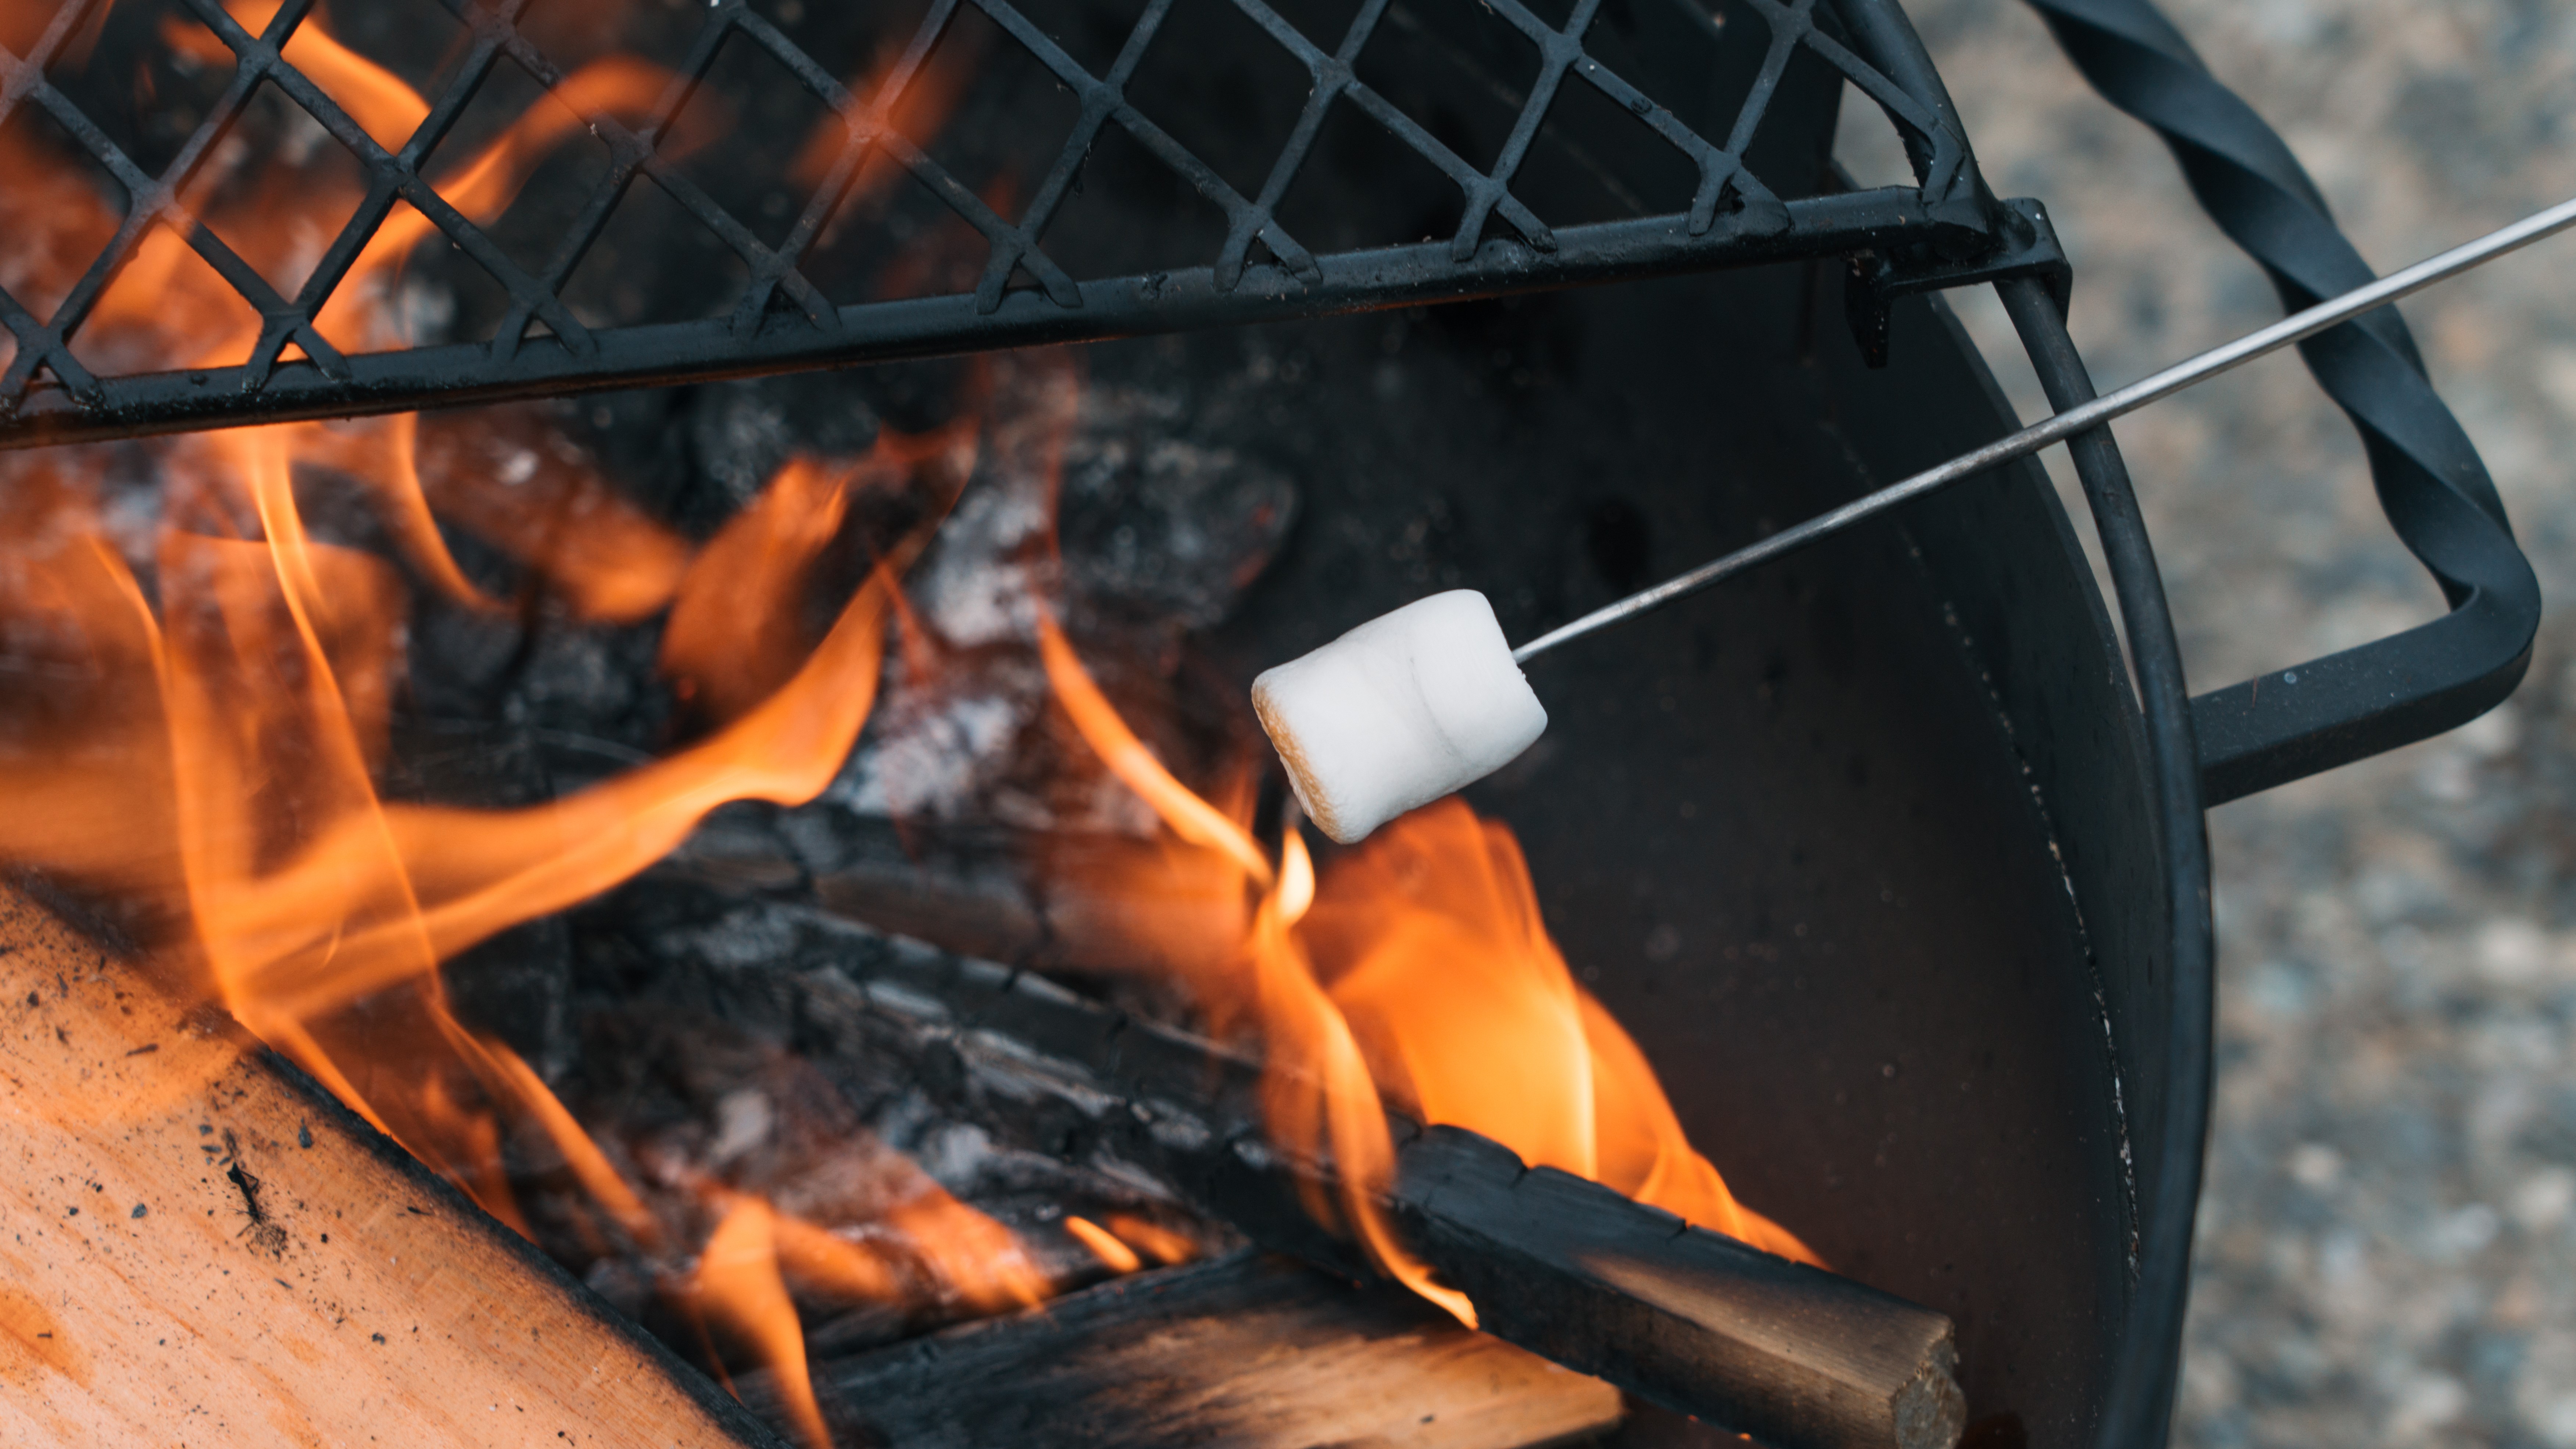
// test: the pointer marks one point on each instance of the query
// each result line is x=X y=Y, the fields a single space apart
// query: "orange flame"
x=736 y=630
x=1153 y=1240
x=1104 y=1244
x=308 y=893
x=973 y=1257
x=1317 y=1094
x=1317 y=1090
x=374 y=97
x=739 y=1283
x=1190 y=817
x=517 y=482
x=1420 y=971
x=232 y=682
x=236 y=676
x=1429 y=939
x=832 y=1267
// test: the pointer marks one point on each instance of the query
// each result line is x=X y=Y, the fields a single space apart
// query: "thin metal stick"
x=2074 y=420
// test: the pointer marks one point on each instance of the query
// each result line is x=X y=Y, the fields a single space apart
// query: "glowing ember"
x=1119 y=1257
x=737 y=1281
x=1161 y=1244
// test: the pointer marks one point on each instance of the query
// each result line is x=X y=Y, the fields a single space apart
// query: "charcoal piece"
x=463 y=762
x=982 y=578
x=538 y=668
x=1159 y=914
x=741 y=433
x=1161 y=534
x=1245 y=1352
x=744 y=846
x=983 y=739
x=1158 y=526
x=516 y=985
x=462 y=660
x=340 y=513
x=639 y=439
x=594 y=680
x=965 y=744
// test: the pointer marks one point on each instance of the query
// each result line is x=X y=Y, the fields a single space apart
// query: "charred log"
x=1246 y=1352
x=1683 y=1317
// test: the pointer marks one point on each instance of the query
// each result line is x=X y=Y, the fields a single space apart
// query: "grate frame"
x=781 y=321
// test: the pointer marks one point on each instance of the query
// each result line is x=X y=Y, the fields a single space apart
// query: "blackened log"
x=1055 y=900
x=1243 y=1352
x=1687 y=1318
x=1683 y=1317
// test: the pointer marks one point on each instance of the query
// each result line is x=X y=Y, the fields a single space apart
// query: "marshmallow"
x=1398 y=712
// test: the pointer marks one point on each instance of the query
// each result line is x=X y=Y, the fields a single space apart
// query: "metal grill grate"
x=781 y=319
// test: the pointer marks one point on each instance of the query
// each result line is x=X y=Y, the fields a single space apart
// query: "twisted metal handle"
x=2296 y=722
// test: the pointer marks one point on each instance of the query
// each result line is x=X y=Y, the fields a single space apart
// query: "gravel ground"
x=2388 y=1240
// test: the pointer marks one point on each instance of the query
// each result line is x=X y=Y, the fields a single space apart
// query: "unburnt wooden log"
x=1242 y=1352
x=1683 y=1317
x=198 y=1246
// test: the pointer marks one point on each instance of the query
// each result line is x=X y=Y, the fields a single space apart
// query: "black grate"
x=779 y=318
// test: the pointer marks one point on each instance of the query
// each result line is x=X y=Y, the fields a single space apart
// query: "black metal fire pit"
x=1888 y=865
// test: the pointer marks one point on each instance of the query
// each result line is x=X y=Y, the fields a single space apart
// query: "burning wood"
x=197 y=1237
x=1242 y=1351
x=1679 y=1315
x=237 y=654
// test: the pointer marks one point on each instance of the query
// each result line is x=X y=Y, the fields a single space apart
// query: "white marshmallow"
x=1398 y=712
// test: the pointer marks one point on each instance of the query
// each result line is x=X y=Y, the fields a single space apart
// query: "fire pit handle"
x=2291 y=723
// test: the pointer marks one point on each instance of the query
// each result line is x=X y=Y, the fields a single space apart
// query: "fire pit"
x=793 y=848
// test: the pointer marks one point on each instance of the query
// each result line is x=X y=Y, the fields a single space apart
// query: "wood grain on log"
x=1683 y=1317
x=1243 y=1352
x=199 y=1247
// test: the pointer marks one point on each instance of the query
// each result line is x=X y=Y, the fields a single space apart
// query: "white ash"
x=931 y=761
x=976 y=745
x=744 y=1120
x=1161 y=531
x=746 y=939
x=979 y=582
x=957 y=1155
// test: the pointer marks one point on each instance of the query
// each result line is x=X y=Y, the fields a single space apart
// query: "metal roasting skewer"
x=2058 y=428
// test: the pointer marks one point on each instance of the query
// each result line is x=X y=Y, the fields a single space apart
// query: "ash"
x=1145 y=533
x=2387 y=1249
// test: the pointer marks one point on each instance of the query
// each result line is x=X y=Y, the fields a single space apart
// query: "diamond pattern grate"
x=782 y=319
